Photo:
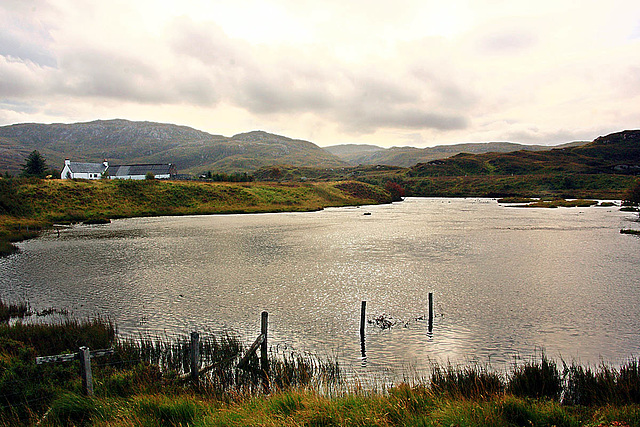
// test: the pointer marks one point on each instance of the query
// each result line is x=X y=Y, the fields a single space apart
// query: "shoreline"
x=32 y=206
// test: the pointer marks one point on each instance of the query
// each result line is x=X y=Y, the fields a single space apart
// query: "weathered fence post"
x=195 y=356
x=363 y=315
x=430 y=311
x=264 y=360
x=85 y=370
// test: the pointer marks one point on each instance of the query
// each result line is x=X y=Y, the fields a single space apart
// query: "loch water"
x=508 y=282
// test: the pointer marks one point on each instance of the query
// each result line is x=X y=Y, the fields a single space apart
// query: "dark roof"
x=129 y=170
x=77 y=167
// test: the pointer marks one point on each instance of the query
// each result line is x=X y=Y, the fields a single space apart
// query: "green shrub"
x=163 y=411
x=71 y=409
x=519 y=412
x=285 y=403
x=468 y=382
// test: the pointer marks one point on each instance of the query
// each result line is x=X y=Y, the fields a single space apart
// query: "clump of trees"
x=223 y=177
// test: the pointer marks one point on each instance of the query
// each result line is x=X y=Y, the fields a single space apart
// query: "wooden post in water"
x=85 y=370
x=264 y=359
x=363 y=315
x=195 y=356
x=430 y=311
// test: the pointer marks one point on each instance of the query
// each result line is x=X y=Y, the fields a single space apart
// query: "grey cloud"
x=205 y=42
x=266 y=98
x=115 y=75
x=15 y=47
x=443 y=90
x=274 y=80
x=20 y=79
x=368 y=120
x=93 y=72
x=23 y=36
x=534 y=135
x=18 y=107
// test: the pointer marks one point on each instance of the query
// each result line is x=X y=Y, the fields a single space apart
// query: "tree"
x=35 y=166
x=395 y=189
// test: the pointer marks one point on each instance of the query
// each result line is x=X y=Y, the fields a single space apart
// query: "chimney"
x=105 y=163
x=67 y=162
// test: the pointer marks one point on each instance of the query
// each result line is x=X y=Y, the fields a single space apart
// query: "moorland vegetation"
x=145 y=382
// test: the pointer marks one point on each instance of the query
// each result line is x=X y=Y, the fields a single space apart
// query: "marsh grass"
x=143 y=384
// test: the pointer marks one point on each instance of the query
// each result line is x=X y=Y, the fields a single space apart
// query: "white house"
x=78 y=170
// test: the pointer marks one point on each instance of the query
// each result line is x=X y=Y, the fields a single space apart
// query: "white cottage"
x=78 y=170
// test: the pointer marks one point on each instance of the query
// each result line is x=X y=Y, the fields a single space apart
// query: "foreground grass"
x=401 y=406
x=142 y=384
x=28 y=206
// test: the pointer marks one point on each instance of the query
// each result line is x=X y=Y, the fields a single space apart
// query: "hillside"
x=618 y=153
x=123 y=141
x=410 y=156
x=605 y=168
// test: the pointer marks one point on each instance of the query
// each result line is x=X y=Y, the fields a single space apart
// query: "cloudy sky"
x=390 y=73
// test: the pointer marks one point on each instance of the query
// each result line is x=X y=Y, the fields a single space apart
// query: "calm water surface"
x=508 y=282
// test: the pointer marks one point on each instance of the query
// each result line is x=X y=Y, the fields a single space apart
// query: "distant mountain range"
x=194 y=151
x=356 y=154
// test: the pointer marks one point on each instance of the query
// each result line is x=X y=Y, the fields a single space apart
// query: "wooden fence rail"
x=84 y=355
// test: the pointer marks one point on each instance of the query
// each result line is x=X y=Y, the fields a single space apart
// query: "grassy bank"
x=29 y=205
x=576 y=186
x=142 y=384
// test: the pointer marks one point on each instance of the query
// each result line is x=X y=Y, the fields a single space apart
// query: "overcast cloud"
x=411 y=72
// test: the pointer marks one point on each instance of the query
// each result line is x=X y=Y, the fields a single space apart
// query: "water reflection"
x=506 y=281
